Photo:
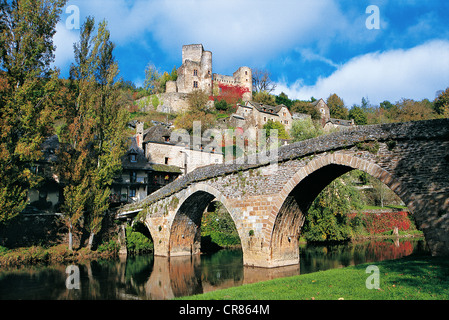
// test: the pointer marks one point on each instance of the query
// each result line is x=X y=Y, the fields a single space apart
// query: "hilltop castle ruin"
x=196 y=73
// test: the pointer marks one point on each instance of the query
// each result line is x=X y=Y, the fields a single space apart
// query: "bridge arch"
x=302 y=189
x=185 y=231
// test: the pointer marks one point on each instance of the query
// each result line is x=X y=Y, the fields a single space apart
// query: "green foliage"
x=265 y=98
x=220 y=227
x=305 y=129
x=155 y=101
x=372 y=147
x=92 y=142
x=307 y=108
x=337 y=107
x=327 y=218
x=276 y=125
x=28 y=95
x=110 y=246
x=222 y=105
x=358 y=115
x=442 y=103
x=136 y=242
x=155 y=81
x=282 y=98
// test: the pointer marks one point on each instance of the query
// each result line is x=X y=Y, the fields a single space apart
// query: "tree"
x=264 y=97
x=92 y=142
x=28 y=86
x=185 y=121
x=337 y=107
x=262 y=81
x=276 y=125
x=198 y=101
x=305 y=129
x=282 y=98
x=387 y=105
x=222 y=105
x=152 y=79
x=307 y=108
x=358 y=115
x=327 y=217
x=411 y=110
x=441 y=103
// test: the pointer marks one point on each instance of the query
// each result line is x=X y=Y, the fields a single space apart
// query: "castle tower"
x=244 y=78
x=196 y=70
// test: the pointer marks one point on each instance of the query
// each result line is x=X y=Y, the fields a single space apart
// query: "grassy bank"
x=409 y=278
x=56 y=254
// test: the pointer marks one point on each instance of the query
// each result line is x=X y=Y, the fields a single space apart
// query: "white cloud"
x=309 y=55
x=64 y=40
x=416 y=73
x=252 y=31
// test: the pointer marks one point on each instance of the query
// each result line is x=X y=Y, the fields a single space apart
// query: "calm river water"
x=157 y=278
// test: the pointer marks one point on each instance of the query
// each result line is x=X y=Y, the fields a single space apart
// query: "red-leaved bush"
x=385 y=221
x=231 y=94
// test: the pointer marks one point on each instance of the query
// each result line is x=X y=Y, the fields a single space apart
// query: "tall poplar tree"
x=92 y=142
x=27 y=86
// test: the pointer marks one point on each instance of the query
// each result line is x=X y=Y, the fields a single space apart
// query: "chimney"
x=139 y=134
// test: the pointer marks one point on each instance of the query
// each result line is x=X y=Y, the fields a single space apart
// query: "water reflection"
x=159 y=278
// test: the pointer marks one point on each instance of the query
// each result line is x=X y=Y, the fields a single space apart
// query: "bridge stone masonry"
x=269 y=202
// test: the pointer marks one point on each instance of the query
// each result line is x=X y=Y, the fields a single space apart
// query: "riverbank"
x=56 y=254
x=416 y=277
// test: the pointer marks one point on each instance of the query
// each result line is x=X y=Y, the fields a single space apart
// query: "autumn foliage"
x=385 y=221
x=231 y=94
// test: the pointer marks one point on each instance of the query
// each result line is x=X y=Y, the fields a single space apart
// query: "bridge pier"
x=269 y=230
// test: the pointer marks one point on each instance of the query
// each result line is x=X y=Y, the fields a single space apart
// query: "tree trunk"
x=91 y=240
x=70 y=238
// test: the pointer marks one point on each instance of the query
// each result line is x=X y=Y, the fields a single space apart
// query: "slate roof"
x=142 y=163
x=266 y=108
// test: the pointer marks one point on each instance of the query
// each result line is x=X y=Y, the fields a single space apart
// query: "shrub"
x=3 y=249
x=136 y=242
x=110 y=246
x=220 y=227
x=382 y=222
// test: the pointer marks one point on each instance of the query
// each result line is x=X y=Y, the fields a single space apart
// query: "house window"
x=195 y=84
x=265 y=119
x=246 y=73
x=195 y=72
x=132 y=192
x=286 y=122
x=166 y=160
x=132 y=158
x=133 y=176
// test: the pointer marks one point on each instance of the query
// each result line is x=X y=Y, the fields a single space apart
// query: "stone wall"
x=180 y=156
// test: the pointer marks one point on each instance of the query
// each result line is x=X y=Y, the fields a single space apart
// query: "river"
x=157 y=278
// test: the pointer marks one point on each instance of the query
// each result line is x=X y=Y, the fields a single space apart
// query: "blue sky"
x=311 y=48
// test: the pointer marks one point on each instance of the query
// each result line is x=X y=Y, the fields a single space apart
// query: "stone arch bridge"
x=269 y=202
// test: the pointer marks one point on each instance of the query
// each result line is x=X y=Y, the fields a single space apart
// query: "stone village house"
x=256 y=115
x=151 y=162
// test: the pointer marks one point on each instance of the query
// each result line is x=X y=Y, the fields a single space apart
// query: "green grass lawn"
x=410 y=278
